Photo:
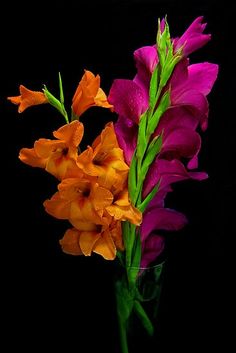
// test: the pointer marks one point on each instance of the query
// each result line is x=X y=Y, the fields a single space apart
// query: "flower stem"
x=123 y=337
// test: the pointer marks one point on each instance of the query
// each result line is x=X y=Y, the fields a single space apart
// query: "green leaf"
x=147 y=324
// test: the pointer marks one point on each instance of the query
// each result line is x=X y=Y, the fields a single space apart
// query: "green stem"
x=123 y=337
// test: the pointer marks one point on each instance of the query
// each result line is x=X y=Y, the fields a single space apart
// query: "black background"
x=52 y=300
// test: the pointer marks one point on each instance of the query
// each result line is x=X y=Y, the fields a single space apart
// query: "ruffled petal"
x=128 y=99
x=156 y=219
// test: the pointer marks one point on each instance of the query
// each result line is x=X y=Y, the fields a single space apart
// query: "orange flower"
x=81 y=201
x=28 y=98
x=58 y=157
x=105 y=160
x=123 y=210
x=70 y=242
x=88 y=94
x=104 y=241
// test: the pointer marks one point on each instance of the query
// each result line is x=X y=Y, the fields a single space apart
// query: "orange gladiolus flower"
x=88 y=94
x=28 y=98
x=104 y=241
x=59 y=156
x=80 y=200
x=123 y=210
x=70 y=242
x=105 y=160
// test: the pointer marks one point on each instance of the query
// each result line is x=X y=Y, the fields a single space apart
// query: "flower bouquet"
x=113 y=192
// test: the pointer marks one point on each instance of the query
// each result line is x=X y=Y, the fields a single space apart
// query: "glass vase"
x=137 y=304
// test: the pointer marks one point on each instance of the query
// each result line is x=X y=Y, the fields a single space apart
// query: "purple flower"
x=189 y=86
x=193 y=38
x=157 y=217
x=167 y=172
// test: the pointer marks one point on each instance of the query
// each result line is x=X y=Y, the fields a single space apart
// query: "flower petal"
x=30 y=157
x=88 y=94
x=70 y=242
x=202 y=76
x=168 y=172
x=105 y=246
x=181 y=142
x=127 y=137
x=128 y=99
x=152 y=248
x=71 y=133
x=101 y=99
x=146 y=60
x=28 y=98
x=156 y=219
x=193 y=38
x=57 y=207
x=87 y=241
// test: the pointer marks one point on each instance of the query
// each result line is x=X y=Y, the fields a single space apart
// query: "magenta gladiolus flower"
x=189 y=86
x=155 y=220
x=193 y=38
x=156 y=217
x=188 y=108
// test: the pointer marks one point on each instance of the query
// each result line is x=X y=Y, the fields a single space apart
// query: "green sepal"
x=52 y=100
x=152 y=151
x=55 y=102
x=132 y=179
x=164 y=45
x=61 y=89
x=167 y=58
x=74 y=116
x=171 y=62
x=154 y=87
x=162 y=107
x=142 y=207
x=142 y=139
